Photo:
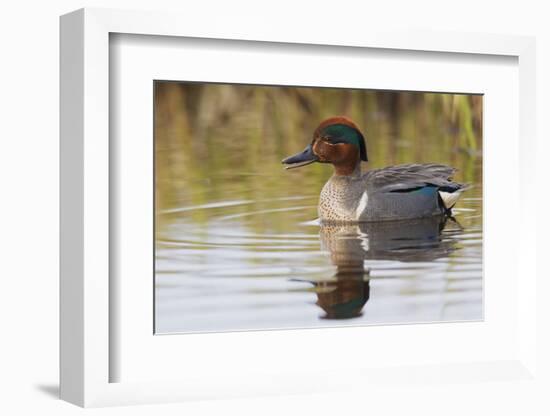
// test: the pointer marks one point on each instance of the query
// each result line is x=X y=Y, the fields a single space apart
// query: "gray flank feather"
x=401 y=178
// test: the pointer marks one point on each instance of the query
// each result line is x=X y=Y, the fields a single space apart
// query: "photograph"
x=294 y=207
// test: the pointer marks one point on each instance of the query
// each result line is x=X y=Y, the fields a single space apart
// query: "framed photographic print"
x=242 y=244
x=236 y=207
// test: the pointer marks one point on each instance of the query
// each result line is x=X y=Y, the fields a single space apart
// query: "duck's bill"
x=303 y=158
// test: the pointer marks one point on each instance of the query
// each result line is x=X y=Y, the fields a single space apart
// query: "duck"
x=351 y=195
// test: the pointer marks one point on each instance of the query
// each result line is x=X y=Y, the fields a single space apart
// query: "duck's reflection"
x=344 y=297
x=344 y=294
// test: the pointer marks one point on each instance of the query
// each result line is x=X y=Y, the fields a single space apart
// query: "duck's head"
x=337 y=140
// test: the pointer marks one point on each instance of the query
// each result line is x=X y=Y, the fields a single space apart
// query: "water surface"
x=241 y=269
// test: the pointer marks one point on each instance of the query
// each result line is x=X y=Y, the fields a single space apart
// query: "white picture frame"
x=87 y=356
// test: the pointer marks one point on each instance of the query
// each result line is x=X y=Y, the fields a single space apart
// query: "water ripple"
x=267 y=263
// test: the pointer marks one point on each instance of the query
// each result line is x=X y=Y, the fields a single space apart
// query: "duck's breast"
x=342 y=200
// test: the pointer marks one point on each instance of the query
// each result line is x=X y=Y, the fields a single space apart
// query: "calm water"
x=238 y=271
x=238 y=246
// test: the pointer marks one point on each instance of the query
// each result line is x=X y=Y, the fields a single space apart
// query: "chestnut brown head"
x=337 y=140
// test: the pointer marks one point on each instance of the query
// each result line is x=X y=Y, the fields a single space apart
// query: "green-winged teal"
x=392 y=193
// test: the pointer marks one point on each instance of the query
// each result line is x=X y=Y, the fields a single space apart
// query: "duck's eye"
x=335 y=140
x=329 y=140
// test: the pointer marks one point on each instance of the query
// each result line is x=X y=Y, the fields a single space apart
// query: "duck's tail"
x=448 y=196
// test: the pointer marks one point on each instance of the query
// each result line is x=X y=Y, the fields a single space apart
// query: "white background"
x=29 y=203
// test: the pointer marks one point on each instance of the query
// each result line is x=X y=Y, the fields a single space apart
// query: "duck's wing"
x=411 y=177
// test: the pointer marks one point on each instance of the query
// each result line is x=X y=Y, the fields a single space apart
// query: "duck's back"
x=408 y=191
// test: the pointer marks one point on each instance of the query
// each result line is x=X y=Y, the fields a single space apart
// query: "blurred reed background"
x=233 y=137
